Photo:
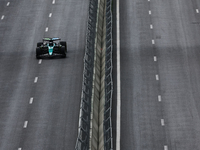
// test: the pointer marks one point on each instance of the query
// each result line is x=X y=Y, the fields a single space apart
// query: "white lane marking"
x=157 y=77
x=8 y=3
x=155 y=58
x=31 y=100
x=19 y=148
x=148 y=0
x=53 y=2
x=165 y=147
x=162 y=122
x=25 y=124
x=40 y=61
x=197 y=11
x=149 y=12
x=46 y=30
x=2 y=17
x=36 y=79
x=159 y=98
x=50 y=15
x=153 y=42
x=151 y=26
x=118 y=121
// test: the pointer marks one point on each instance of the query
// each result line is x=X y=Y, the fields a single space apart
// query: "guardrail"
x=85 y=106
x=95 y=126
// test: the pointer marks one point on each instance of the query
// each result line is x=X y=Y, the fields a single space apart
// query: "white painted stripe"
x=155 y=58
x=153 y=42
x=197 y=11
x=19 y=148
x=118 y=121
x=40 y=61
x=8 y=3
x=148 y=0
x=159 y=98
x=165 y=147
x=157 y=77
x=46 y=30
x=36 y=79
x=151 y=26
x=149 y=12
x=31 y=100
x=2 y=17
x=25 y=124
x=50 y=14
x=162 y=122
x=53 y=2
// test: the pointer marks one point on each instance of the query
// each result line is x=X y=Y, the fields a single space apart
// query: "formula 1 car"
x=51 y=47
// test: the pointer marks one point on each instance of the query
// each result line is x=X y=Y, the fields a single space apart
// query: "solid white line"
x=31 y=100
x=155 y=58
x=118 y=121
x=149 y=12
x=2 y=17
x=165 y=147
x=162 y=122
x=197 y=11
x=36 y=79
x=40 y=61
x=153 y=42
x=157 y=77
x=159 y=98
x=151 y=26
x=8 y=3
x=53 y=2
x=25 y=124
x=46 y=30
x=50 y=15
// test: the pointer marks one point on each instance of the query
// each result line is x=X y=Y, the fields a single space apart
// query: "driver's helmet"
x=50 y=43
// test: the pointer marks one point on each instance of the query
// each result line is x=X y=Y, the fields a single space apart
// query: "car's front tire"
x=38 y=53
x=63 y=43
x=39 y=44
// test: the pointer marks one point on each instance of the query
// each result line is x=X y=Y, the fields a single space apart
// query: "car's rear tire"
x=39 y=44
x=63 y=43
x=38 y=53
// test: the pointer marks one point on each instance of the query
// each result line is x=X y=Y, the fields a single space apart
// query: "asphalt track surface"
x=40 y=99
x=160 y=74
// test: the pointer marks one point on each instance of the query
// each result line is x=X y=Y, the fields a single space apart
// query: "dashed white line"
x=36 y=79
x=159 y=98
x=53 y=2
x=149 y=12
x=50 y=15
x=8 y=3
x=162 y=122
x=40 y=61
x=151 y=26
x=155 y=58
x=31 y=100
x=197 y=11
x=157 y=77
x=148 y=0
x=46 y=30
x=153 y=42
x=2 y=17
x=165 y=147
x=25 y=124
x=19 y=148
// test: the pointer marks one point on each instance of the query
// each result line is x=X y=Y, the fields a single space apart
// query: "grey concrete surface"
x=53 y=115
x=176 y=34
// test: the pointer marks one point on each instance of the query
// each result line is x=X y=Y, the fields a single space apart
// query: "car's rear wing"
x=51 y=39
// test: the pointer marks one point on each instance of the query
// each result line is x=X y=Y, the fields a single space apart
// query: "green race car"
x=51 y=47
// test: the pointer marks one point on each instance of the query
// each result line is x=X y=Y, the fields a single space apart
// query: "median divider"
x=95 y=128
